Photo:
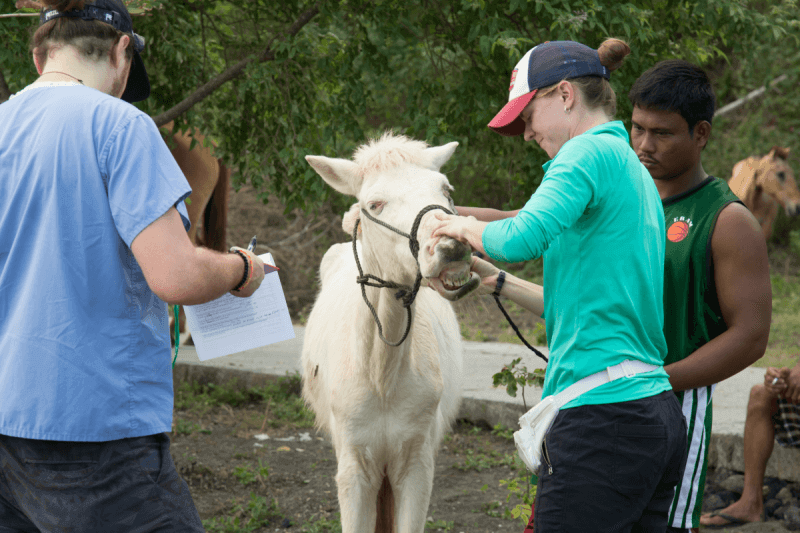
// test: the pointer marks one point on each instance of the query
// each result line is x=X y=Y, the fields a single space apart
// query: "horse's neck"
x=382 y=362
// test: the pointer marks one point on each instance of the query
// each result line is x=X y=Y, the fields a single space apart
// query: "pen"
x=252 y=244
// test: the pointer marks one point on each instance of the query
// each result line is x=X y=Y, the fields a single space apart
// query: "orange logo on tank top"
x=679 y=229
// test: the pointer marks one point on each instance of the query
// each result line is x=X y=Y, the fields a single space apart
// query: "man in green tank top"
x=717 y=292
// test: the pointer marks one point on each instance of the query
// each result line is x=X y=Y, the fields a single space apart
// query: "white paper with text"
x=230 y=324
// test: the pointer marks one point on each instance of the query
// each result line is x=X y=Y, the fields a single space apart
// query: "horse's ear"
x=340 y=174
x=743 y=181
x=350 y=218
x=779 y=151
x=439 y=155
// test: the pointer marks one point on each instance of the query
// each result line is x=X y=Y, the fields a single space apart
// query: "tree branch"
x=724 y=110
x=234 y=71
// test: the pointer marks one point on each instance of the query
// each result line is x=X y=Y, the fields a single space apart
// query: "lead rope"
x=177 y=333
x=501 y=278
x=406 y=294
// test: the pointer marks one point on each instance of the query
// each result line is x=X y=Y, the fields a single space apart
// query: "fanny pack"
x=536 y=423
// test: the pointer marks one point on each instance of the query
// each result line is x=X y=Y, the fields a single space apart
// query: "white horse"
x=386 y=407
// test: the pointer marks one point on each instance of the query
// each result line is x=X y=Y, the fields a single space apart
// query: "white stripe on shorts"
x=686 y=499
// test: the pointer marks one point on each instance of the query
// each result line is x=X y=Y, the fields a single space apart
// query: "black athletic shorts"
x=121 y=486
x=612 y=467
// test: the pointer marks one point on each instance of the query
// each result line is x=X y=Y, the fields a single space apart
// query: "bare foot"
x=735 y=514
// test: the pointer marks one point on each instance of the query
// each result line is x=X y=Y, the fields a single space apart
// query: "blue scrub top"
x=84 y=342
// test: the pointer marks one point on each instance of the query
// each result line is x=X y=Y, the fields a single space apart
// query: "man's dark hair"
x=676 y=85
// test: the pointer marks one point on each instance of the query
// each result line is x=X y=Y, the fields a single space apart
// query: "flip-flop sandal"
x=732 y=521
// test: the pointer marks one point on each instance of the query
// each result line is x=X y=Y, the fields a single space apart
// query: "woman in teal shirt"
x=615 y=453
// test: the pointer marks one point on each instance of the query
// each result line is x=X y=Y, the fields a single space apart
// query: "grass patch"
x=323 y=525
x=783 y=347
x=283 y=398
x=482 y=461
x=246 y=476
x=256 y=514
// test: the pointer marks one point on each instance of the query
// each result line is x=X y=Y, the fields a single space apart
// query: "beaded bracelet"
x=248 y=271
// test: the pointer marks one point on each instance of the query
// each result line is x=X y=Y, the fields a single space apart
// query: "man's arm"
x=485 y=214
x=744 y=291
x=180 y=273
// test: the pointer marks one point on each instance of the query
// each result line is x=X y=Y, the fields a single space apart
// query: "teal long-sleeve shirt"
x=597 y=219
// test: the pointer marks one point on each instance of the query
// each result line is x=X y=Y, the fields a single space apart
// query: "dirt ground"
x=300 y=473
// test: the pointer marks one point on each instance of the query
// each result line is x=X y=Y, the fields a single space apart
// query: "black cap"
x=115 y=13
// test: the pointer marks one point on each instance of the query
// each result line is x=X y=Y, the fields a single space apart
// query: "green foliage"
x=520 y=488
x=433 y=70
x=513 y=377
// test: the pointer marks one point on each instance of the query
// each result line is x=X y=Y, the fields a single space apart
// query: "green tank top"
x=692 y=315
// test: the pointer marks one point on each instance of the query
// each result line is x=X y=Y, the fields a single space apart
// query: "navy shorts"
x=124 y=486
x=614 y=467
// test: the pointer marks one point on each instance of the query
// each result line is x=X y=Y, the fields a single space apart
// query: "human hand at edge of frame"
x=256 y=277
x=486 y=272
x=792 y=379
x=775 y=381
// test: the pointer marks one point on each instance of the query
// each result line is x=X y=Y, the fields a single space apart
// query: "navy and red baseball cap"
x=542 y=66
x=114 y=13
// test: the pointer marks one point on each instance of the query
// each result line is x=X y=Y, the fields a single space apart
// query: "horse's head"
x=394 y=179
x=774 y=177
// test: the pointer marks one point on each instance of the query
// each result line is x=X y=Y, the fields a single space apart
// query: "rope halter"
x=407 y=294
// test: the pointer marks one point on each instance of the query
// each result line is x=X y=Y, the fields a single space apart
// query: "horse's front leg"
x=357 y=484
x=412 y=485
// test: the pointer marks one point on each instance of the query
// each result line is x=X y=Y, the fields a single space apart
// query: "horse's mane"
x=379 y=155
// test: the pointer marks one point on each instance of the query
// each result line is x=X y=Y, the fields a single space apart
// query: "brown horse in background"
x=765 y=183
x=209 y=180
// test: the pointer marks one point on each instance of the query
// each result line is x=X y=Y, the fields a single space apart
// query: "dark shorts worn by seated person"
x=126 y=485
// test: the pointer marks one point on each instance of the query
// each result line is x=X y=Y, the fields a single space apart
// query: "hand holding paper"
x=230 y=325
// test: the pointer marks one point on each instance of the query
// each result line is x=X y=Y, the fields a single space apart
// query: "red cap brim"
x=507 y=121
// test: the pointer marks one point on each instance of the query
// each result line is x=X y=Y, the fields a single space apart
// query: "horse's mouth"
x=454 y=275
x=457 y=280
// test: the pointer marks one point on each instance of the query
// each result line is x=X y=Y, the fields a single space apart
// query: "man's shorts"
x=124 y=486
x=787 y=424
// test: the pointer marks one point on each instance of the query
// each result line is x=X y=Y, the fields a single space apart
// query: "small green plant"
x=323 y=525
x=502 y=431
x=492 y=509
x=184 y=427
x=439 y=525
x=257 y=514
x=483 y=461
x=247 y=476
x=513 y=377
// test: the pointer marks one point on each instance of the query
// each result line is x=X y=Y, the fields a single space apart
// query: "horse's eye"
x=374 y=206
x=782 y=176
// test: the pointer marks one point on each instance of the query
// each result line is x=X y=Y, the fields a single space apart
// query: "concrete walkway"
x=482 y=402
